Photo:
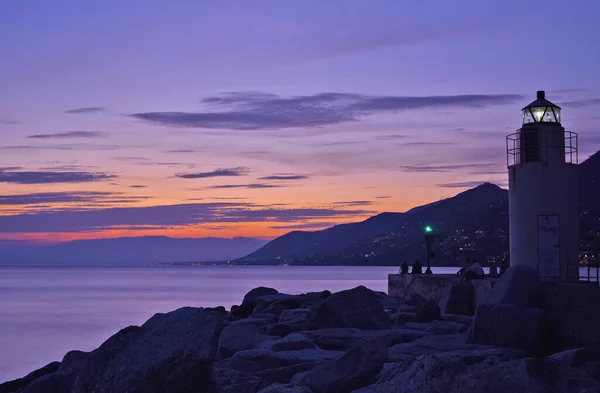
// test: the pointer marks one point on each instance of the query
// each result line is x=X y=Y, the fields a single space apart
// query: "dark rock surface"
x=169 y=353
x=354 y=369
x=275 y=342
x=354 y=308
x=460 y=299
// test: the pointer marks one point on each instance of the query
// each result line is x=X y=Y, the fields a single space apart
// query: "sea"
x=48 y=311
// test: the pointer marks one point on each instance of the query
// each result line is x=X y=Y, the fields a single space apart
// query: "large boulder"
x=292 y=342
x=251 y=301
x=339 y=339
x=354 y=308
x=426 y=310
x=232 y=381
x=170 y=353
x=239 y=336
x=524 y=375
x=352 y=370
x=268 y=359
x=294 y=316
x=506 y=325
x=460 y=299
x=519 y=286
x=282 y=388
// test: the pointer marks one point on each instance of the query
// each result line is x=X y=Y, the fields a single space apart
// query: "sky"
x=237 y=118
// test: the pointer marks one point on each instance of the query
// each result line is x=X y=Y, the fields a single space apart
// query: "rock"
x=519 y=286
x=17 y=384
x=292 y=342
x=354 y=369
x=282 y=329
x=267 y=359
x=525 y=375
x=343 y=339
x=426 y=374
x=239 y=336
x=464 y=319
x=366 y=389
x=428 y=312
x=354 y=308
x=445 y=327
x=400 y=318
x=61 y=381
x=575 y=357
x=448 y=343
x=294 y=316
x=284 y=374
x=281 y=388
x=460 y=299
x=231 y=381
x=241 y=365
x=250 y=301
x=506 y=325
x=171 y=352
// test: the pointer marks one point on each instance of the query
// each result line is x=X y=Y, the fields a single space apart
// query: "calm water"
x=45 y=312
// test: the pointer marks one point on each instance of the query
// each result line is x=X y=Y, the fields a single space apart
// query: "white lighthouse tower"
x=543 y=206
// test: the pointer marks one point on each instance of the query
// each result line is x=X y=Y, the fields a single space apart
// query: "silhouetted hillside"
x=474 y=223
x=128 y=251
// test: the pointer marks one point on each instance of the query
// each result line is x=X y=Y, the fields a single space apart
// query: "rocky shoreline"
x=356 y=340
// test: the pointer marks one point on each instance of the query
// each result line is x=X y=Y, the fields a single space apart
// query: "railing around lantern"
x=526 y=147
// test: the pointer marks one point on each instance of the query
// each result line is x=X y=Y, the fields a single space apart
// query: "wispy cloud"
x=247 y=186
x=163 y=216
x=48 y=198
x=383 y=197
x=581 y=103
x=353 y=203
x=469 y=184
x=306 y=225
x=221 y=172
x=51 y=177
x=284 y=177
x=262 y=111
x=94 y=109
x=442 y=168
x=9 y=122
x=426 y=143
x=70 y=134
x=137 y=186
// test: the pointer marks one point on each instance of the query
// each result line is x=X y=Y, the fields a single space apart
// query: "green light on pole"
x=428 y=229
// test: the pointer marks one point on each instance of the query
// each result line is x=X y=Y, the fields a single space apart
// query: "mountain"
x=474 y=222
x=341 y=243
x=142 y=250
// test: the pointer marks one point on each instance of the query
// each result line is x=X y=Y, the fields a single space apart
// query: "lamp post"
x=428 y=239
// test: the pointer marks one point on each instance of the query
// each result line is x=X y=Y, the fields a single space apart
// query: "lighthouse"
x=543 y=206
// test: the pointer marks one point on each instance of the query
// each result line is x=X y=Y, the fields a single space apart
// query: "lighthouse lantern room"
x=543 y=192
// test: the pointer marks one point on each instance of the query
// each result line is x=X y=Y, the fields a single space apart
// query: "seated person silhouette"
x=464 y=267
x=404 y=268
x=473 y=272
x=417 y=268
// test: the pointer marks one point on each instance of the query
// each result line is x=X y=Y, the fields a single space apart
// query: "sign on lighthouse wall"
x=548 y=246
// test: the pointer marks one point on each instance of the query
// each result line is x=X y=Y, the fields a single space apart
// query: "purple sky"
x=271 y=115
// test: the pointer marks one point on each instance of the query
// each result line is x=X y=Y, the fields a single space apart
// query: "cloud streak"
x=70 y=134
x=221 y=172
x=441 y=168
x=65 y=197
x=52 y=177
x=68 y=220
x=263 y=111
x=468 y=184
x=94 y=109
x=284 y=177
x=247 y=186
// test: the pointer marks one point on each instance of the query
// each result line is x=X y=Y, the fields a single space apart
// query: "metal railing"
x=514 y=150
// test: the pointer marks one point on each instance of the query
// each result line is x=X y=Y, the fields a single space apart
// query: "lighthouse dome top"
x=541 y=110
